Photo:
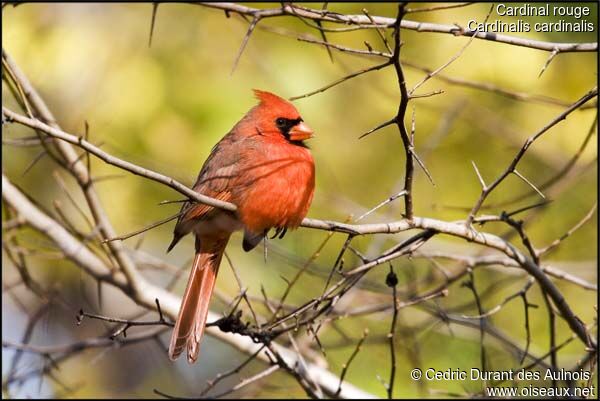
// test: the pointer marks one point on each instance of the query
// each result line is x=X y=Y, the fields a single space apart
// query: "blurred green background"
x=164 y=107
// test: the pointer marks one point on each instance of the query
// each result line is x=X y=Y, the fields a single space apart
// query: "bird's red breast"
x=276 y=174
x=278 y=185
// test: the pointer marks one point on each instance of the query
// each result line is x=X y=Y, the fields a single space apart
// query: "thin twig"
x=566 y=235
x=385 y=202
x=516 y=172
x=548 y=61
x=143 y=230
x=346 y=366
x=152 y=22
x=391 y=281
x=255 y=21
x=452 y=59
x=339 y=81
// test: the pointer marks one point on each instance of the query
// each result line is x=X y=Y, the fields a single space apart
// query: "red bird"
x=263 y=167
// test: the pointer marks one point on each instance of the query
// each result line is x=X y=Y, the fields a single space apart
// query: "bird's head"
x=277 y=117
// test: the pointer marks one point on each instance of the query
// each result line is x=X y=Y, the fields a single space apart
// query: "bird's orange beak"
x=300 y=132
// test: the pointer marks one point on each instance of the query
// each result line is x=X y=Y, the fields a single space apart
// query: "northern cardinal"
x=264 y=168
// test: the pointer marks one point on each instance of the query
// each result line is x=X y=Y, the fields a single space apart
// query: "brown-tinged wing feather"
x=216 y=179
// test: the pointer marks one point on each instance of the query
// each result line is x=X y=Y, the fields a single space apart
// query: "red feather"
x=264 y=169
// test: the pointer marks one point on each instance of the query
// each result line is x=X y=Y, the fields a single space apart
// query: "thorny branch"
x=487 y=189
x=363 y=21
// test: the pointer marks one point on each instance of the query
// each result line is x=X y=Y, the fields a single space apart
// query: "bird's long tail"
x=194 y=307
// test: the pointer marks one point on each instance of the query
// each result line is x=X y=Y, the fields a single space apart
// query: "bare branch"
x=513 y=164
x=404 y=98
x=386 y=22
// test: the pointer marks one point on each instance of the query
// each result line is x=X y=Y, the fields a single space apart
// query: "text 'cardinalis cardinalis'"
x=261 y=166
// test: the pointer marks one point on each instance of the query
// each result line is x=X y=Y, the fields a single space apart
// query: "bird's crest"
x=267 y=97
x=275 y=106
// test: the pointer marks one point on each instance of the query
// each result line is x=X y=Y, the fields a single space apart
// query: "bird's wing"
x=216 y=180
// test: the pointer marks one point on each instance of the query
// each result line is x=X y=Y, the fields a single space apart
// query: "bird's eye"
x=280 y=122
